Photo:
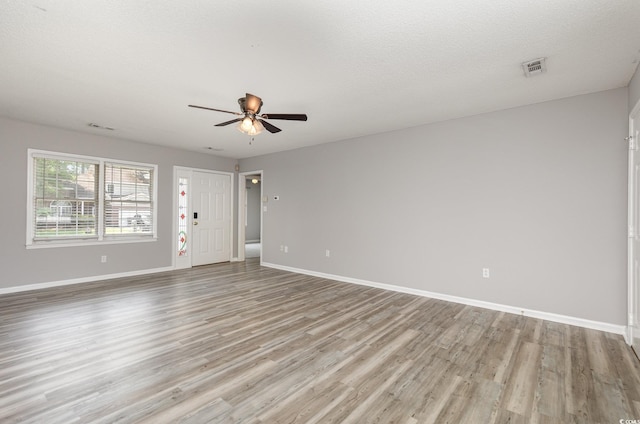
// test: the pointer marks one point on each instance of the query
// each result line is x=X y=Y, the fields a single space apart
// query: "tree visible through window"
x=65 y=196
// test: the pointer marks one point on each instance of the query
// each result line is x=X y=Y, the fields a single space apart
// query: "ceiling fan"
x=250 y=121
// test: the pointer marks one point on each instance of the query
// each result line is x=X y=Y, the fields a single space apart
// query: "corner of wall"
x=634 y=89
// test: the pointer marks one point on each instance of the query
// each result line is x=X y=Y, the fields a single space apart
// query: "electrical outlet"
x=286 y=249
x=485 y=272
x=103 y=258
x=282 y=248
x=327 y=253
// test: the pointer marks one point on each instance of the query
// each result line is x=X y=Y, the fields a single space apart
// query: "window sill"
x=54 y=244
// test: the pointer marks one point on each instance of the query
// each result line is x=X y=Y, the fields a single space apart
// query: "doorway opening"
x=250 y=223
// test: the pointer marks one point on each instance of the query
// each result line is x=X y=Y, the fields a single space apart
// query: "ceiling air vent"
x=535 y=67
x=100 y=127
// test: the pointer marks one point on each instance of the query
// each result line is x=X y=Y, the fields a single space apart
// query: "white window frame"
x=102 y=238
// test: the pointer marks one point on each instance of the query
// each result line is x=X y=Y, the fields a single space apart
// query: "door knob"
x=195 y=222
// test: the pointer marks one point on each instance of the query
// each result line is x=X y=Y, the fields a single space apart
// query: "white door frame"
x=242 y=187
x=633 y=233
x=174 y=215
x=630 y=218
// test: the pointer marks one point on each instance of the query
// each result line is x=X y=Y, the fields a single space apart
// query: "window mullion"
x=101 y=207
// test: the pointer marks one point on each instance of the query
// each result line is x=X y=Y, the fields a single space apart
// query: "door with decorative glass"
x=202 y=218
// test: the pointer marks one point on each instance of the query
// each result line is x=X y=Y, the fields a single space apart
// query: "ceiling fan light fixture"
x=250 y=126
x=257 y=127
x=246 y=124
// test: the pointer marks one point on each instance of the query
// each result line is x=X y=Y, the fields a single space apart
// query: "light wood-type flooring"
x=241 y=343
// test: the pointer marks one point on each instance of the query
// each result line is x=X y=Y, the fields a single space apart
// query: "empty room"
x=320 y=212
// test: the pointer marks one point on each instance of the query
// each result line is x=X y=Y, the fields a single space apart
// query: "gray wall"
x=252 y=231
x=634 y=89
x=20 y=266
x=537 y=194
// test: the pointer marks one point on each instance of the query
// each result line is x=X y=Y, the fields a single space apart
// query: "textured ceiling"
x=355 y=67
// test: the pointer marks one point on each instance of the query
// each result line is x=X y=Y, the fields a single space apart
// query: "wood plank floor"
x=242 y=343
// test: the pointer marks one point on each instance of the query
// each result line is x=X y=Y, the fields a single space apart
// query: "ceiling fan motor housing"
x=250 y=103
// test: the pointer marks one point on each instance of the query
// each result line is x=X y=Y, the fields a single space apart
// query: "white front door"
x=211 y=218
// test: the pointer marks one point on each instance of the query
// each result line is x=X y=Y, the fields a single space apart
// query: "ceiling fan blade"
x=217 y=110
x=287 y=116
x=253 y=103
x=222 y=124
x=269 y=127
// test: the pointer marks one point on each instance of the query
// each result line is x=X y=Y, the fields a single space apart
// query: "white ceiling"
x=355 y=67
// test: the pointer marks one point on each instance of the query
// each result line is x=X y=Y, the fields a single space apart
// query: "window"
x=128 y=193
x=183 y=213
x=64 y=193
x=67 y=206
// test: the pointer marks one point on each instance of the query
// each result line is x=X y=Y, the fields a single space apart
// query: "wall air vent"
x=535 y=67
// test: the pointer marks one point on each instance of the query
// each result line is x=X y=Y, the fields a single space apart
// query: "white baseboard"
x=562 y=319
x=234 y=260
x=29 y=287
